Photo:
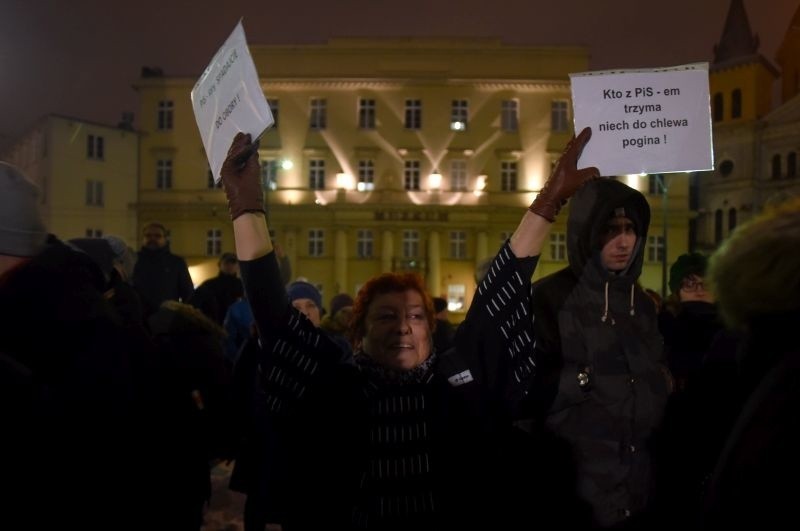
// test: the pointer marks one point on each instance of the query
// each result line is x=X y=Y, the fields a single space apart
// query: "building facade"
x=387 y=155
x=755 y=141
x=87 y=173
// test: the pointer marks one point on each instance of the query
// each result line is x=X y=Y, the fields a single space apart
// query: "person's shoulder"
x=561 y=280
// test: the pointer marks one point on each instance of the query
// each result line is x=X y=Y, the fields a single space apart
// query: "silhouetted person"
x=160 y=275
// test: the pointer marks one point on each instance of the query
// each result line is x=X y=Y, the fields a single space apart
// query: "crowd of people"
x=579 y=400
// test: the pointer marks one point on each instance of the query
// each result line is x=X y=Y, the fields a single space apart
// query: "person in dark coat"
x=752 y=486
x=160 y=275
x=71 y=438
x=214 y=296
x=605 y=384
x=444 y=332
x=396 y=436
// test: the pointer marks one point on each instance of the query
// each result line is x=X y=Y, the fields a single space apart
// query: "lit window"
x=558 y=246
x=655 y=248
x=459 y=115
x=366 y=176
x=456 y=297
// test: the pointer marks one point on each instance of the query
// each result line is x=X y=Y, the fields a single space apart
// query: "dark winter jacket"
x=160 y=275
x=600 y=357
x=370 y=449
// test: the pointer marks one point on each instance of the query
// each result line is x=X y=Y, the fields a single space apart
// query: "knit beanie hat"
x=304 y=290
x=340 y=301
x=22 y=229
x=686 y=264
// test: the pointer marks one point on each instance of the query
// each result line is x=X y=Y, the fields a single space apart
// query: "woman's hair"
x=756 y=272
x=385 y=283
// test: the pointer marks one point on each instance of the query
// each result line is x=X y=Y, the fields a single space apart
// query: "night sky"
x=80 y=58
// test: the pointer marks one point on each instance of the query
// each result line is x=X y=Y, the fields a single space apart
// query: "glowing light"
x=287 y=164
x=435 y=180
x=457 y=126
x=468 y=152
x=345 y=181
x=480 y=185
x=402 y=152
x=365 y=187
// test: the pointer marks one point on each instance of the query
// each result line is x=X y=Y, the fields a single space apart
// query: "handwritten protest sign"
x=645 y=121
x=228 y=98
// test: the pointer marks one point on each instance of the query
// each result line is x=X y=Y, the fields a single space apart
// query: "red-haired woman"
x=395 y=436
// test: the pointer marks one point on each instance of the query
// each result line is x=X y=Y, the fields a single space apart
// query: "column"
x=340 y=262
x=434 y=276
x=387 y=251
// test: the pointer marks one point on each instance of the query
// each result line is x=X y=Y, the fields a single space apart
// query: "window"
x=316 y=174
x=791 y=164
x=559 y=116
x=509 y=121
x=366 y=176
x=318 y=119
x=458 y=174
x=269 y=174
x=165 y=108
x=364 y=243
x=94 y=193
x=410 y=244
x=736 y=103
x=95 y=147
x=776 y=166
x=719 y=107
x=459 y=115
x=411 y=175
x=413 y=114
x=274 y=107
x=214 y=242
x=558 y=246
x=316 y=242
x=731 y=219
x=164 y=174
x=456 y=297
x=211 y=185
x=458 y=244
x=655 y=248
x=508 y=176
x=366 y=114
x=718 y=226
x=94 y=233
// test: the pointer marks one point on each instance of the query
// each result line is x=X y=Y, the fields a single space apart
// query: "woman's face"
x=693 y=288
x=396 y=330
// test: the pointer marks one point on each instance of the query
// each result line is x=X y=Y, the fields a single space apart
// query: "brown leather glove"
x=565 y=179
x=241 y=177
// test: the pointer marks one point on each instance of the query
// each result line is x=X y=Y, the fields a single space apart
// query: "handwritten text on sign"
x=228 y=98
x=645 y=121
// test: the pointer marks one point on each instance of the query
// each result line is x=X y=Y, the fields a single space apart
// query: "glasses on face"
x=692 y=285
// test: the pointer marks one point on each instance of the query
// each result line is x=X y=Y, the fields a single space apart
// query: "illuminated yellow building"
x=87 y=173
x=395 y=154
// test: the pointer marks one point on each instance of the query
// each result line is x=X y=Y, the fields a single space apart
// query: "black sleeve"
x=496 y=340
x=294 y=352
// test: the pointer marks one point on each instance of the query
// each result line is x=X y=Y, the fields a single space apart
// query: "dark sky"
x=80 y=58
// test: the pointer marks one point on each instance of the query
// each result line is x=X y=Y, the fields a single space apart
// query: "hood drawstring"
x=633 y=312
x=604 y=317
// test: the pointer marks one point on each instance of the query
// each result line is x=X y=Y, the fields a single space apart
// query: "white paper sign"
x=228 y=98
x=645 y=121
